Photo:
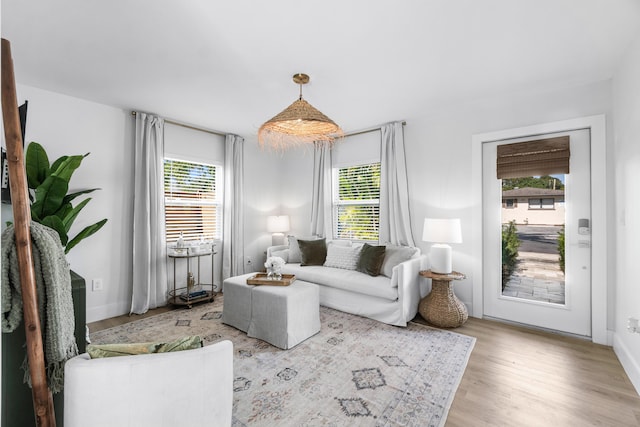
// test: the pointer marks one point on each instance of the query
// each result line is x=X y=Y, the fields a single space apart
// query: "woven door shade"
x=533 y=158
x=299 y=123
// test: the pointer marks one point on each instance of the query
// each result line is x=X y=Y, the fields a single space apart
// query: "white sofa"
x=393 y=300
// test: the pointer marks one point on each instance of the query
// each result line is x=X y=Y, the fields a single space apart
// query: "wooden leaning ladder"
x=42 y=397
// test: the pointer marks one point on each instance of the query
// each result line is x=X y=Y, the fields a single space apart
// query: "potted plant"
x=50 y=198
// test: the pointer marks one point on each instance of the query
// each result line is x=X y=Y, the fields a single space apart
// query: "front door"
x=568 y=307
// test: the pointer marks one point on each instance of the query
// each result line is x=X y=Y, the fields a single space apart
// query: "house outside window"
x=193 y=200
x=545 y=203
x=510 y=203
x=356 y=205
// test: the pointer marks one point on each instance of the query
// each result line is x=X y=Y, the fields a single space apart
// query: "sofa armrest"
x=408 y=278
x=272 y=249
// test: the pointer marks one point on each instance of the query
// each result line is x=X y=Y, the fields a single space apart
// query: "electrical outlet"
x=249 y=260
x=633 y=326
x=97 y=285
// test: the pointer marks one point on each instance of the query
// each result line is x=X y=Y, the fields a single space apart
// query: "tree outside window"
x=357 y=202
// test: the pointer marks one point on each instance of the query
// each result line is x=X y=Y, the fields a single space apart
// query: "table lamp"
x=277 y=225
x=440 y=232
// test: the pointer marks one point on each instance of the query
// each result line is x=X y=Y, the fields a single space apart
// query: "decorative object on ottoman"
x=264 y=279
x=274 y=267
x=441 y=307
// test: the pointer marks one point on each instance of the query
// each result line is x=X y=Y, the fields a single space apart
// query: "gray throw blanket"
x=55 y=303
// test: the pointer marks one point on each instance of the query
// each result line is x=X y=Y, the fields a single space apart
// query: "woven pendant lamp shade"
x=299 y=123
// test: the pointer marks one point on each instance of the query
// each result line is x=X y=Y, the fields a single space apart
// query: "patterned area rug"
x=355 y=372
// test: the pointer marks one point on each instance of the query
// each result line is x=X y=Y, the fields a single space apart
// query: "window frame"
x=337 y=203
x=541 y=205
x=217 y=202
x=513 y=205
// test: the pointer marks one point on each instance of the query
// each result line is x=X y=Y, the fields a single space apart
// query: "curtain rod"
x=367 y=130
x=184 y=125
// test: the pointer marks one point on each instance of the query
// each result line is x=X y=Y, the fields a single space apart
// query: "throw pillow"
x=394 y=255
x=312 y=252
x=345 y=257
x=284 y=254
x=294 y=250
x=111 y=350
x=339 y=242
x=371 y=258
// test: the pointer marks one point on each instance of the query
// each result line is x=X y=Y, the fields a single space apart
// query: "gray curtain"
x=149 y=250
x=395 y=222
x=233 y=232
x=321 y=203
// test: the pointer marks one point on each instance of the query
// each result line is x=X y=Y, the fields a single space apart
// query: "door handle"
x=583 y=226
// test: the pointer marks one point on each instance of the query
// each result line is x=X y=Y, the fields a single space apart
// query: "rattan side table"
x=442 y=307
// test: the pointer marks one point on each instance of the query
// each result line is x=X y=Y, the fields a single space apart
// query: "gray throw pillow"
x=294 y=250
x=371 y=258
x=395 y=255
x=312 y=252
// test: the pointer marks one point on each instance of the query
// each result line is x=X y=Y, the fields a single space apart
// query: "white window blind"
x=193 y=200
x=357 y=202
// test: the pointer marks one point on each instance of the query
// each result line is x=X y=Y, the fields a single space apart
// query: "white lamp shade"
x=437 y=230
x=278 y=223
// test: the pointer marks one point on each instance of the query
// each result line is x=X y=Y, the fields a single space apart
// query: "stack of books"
x=192 y=295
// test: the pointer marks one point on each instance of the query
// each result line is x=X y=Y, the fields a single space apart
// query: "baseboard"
x=107 y=311
x=630 y=364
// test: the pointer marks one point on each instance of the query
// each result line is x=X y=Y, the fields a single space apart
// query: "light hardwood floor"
x=522 y=377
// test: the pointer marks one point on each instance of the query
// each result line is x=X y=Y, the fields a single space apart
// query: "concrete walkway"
x=537 y=276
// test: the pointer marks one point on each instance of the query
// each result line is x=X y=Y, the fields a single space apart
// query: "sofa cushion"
x=349 y=280
x=312 y=252
x=371 y=258
x=342 y=256
x=395 y=255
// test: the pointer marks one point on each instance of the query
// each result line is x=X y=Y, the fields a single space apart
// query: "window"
x=357 y=202
x=193 y=200
x=541 y=203
x=510 y=203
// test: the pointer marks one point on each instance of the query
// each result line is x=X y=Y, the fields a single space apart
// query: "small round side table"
x=441 y=307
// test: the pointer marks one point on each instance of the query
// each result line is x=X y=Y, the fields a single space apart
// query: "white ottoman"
x=236 y=310
x=283 y=316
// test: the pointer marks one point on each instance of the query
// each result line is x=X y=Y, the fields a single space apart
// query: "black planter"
x=17 y=401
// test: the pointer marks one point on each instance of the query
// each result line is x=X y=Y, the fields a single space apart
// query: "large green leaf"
x=86 y=232
x=67 y=167
x=36 y=165
x=70 y=215
x=49 y=196
x=69 y=197
x=55 y=165
x=56 y=223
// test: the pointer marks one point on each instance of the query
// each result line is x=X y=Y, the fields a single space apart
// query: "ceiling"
x=227 y=65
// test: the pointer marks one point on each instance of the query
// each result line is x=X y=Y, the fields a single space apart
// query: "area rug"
x=354 y=372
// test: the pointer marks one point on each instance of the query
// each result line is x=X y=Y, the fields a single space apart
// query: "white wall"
x=626 y=104
x=64 y=125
